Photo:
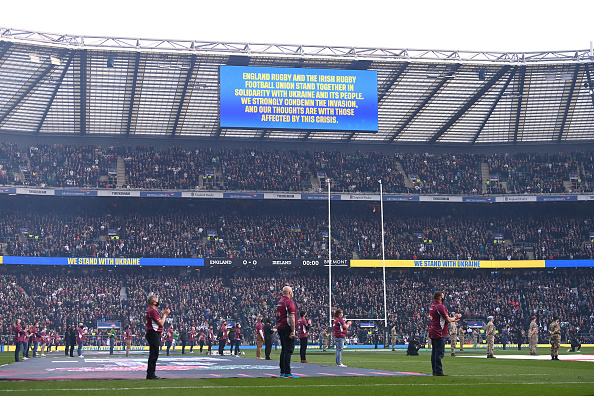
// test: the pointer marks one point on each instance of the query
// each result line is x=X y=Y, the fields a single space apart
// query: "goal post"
x=330 y=318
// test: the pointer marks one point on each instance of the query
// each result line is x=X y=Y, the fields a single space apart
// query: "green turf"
x=468 y=376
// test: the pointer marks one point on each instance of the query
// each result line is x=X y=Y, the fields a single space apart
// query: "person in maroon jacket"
x=340 y=334
x=36 y=337
x=192 y=339
x=201 y=340
x=19 y=335
x=80 y=338
x=154 y=328
x=222 y=337
x=286 y=319
x=211 y=340
x=303 y=331
x=438 y=331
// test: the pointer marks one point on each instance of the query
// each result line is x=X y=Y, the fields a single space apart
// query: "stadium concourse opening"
x=101 y=366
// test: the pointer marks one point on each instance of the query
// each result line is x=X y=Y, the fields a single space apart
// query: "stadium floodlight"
x=54 y=60
x=35 y=58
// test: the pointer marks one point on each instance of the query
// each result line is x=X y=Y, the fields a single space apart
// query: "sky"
x=478 y=25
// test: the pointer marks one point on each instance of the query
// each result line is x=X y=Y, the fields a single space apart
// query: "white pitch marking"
x=296 y=386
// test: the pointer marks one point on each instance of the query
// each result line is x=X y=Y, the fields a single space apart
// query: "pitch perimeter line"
x=296 y=385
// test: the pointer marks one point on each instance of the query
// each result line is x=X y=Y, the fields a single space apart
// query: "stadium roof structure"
x=53 y=84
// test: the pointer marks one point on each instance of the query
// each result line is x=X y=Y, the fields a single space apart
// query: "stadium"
x=214 y=174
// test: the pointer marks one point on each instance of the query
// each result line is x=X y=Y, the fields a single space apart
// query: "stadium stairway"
x=567 y=185
x=407 y=182
x=485 y=175
x=315 y=183
x=123 y=294
x=121 y=172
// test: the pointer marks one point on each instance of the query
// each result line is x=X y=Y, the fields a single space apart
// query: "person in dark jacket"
x=268 y=333
x=66 y=340
x=519 y=337
x=413 y=347
x=183 y=338
x=72 y=335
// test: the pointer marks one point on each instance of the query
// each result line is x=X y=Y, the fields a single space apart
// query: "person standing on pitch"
x=231 y=338
x=19 y=335
x=169 y=339
x=211 y=340
x=555 y=331
x=222 y=337
x=66 y=340
x=303 y=326
x=268 y=334
x=154 y=328
x=237 y=337
x=474 y=338
x=36 y=338
x=519 y=337
x=183 y=338
x=461 y=333
x=201 y=340
x=490 y=333
x=394 y=337
x=192 y=338
x=259 y=338
x=112 y=338
x=80 y=338
x=73 y=339
x=128 y=339
x=533 y=336
x=44 y=341
x=286 y=319
x=438 y=331
x=340 y=334
x=453 y=337
x=504 y=335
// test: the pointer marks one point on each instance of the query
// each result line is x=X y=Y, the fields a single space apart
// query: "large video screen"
x=292 y=98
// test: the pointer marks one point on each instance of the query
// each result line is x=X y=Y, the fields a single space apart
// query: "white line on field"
x=295 y=385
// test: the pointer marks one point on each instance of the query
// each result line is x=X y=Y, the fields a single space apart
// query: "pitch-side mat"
x=171 y=367
x=570 y=358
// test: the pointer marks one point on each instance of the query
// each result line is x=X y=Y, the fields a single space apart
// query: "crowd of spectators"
x=251 y=169
x=95 y=227
x=57 y=297
x=55 y=227
x=529 y=173
x=70 y=166
x=11 y=159
x=175 y=168
x=444 y=174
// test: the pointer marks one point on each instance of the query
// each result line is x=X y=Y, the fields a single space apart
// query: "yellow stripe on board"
x=450 y=263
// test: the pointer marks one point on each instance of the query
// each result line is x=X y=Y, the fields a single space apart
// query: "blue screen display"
x=292 y=98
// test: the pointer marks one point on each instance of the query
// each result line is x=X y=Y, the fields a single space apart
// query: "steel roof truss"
x=469 y=103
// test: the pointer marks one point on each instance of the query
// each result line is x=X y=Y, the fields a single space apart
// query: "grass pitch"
x=468 y=376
